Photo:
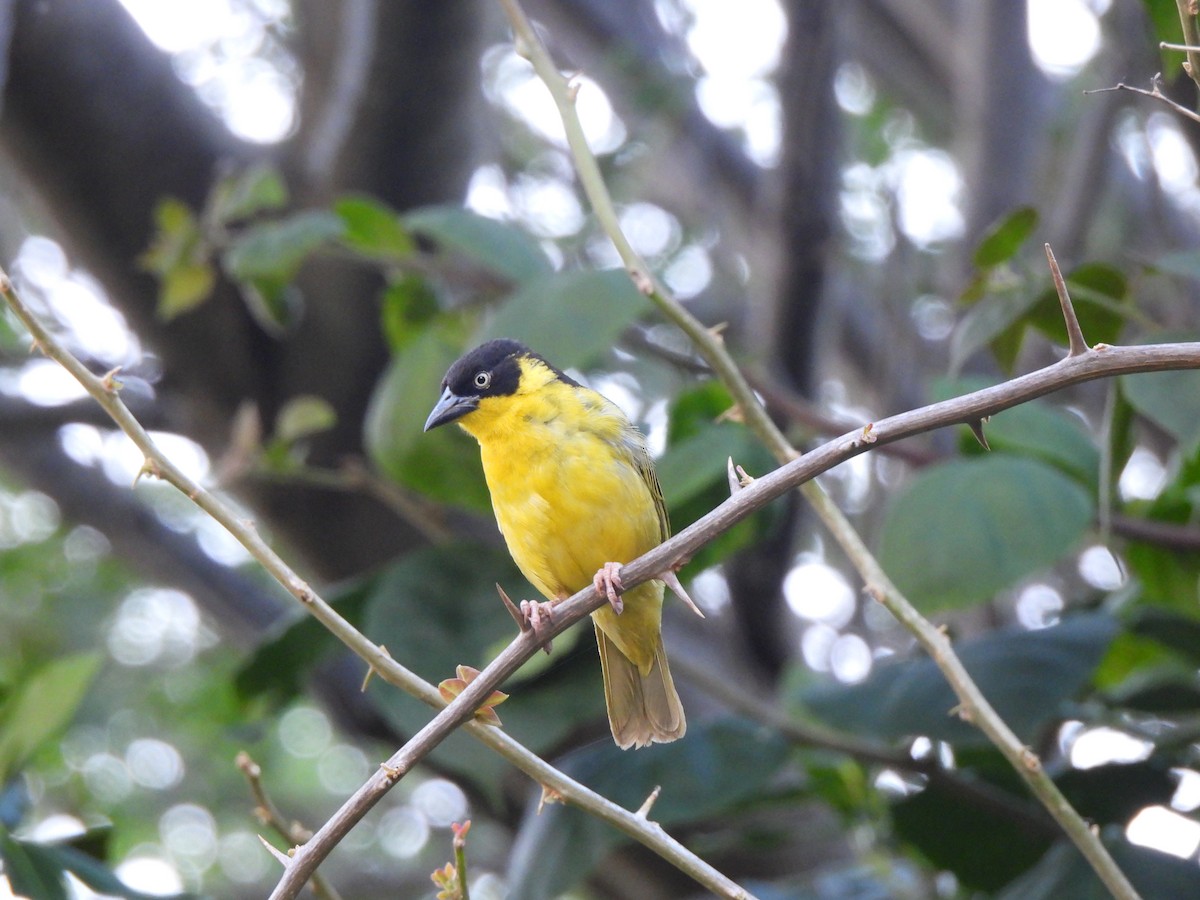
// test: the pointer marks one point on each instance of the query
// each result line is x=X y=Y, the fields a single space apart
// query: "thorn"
x=1076 y=345
x=549 y=795
x=644 y=809
x=109 y=382
x=573 y=88
x=282 y=858
x=371 y=670
x=149 y=468
x=672 y=581
x=521 y=621
x=977 y=430
x=735 y=484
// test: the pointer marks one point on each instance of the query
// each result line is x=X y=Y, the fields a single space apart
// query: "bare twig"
x=1155 y=92
x=292 y=832
x=755 y=416
x=1191 y=38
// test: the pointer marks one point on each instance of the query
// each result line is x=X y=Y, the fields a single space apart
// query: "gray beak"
x=449 y=407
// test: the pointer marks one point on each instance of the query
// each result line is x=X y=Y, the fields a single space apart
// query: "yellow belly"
x=566 y=506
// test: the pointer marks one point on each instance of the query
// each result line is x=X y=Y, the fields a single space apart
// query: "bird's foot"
x=530 y=616
x=607 y=582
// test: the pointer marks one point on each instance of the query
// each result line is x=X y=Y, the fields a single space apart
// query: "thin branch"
x=104 y=390
x=975 y=706
x=292 y=832
x=1191 y=38
x=1155 y=92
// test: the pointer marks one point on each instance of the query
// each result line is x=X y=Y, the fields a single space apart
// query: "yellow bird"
x=575 y=496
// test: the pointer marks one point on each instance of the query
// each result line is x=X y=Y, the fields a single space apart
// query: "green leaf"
x=258 y=188
x=179 y=256
x=38 y=871
x=373 y=229
x=1025 y=675
x=984 y=852
x=184 y=288
x=716 y=769
x=443 y=463
x=41 y=706
x=571 y=317
x=304 y=416
x=280 y=667
x=1005 y=238
x=996 y=321
x=265 y=258
x=499 y=247
x=407 y=306
x=962 y=530
x=1035 y=429
x=30 y=872
x=1171 y=400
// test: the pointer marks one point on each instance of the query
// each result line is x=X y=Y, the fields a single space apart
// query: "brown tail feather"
x=641 y=708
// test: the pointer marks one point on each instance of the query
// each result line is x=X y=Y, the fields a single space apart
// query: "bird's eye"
x=482 y=380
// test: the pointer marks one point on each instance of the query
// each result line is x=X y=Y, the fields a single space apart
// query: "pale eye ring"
x=483 y=380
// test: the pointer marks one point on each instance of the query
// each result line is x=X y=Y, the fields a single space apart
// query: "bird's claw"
x=607 y=582
x=530 y=616
x=538 y=616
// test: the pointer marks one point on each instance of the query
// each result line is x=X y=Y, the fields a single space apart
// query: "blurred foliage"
x=963 y=534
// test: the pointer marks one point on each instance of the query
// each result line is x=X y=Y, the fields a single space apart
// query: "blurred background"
x=283 y=220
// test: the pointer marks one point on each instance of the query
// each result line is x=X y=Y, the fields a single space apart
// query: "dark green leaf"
x=1005 y=238
x=32 y=872
x=1098 y=293
x=570 y=317
x=963 y=530
x=1063 y=874
x=1026 y=675
x=373 y=229
x=408 y=305
x=443 y=463
x=1170 y=400
x=984 y=851
x=258 y=188
x=42 y=705
x=693 y=465
x=1114 y=793
x=1179 y=632
x=717 y=768
x=280 y=666
x=502 y=248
